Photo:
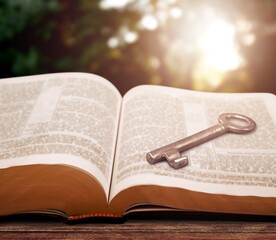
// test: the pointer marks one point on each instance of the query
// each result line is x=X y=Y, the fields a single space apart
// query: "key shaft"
x=172 y=152
x=186 y=143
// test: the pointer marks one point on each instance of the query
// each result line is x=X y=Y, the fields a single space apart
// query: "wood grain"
x=141 y=226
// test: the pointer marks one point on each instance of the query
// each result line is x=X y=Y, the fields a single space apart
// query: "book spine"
x=91 y=215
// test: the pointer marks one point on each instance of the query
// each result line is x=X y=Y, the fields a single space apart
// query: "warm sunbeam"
x=201 y=43
x=219 y=50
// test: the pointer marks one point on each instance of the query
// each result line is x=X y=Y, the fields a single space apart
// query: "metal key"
x=172 y=152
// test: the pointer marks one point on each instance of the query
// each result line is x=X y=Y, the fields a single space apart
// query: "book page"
x=65 y=118
x=236 y=164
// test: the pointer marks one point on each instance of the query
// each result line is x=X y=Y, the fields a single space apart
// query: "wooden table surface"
x=141 y=226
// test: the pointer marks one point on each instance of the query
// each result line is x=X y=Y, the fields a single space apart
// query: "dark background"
x=45 y=36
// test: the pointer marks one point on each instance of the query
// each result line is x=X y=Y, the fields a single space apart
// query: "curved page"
x=232 y=164
x=65 y=118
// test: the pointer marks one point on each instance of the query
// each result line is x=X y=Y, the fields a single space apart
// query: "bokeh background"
x=205 y=45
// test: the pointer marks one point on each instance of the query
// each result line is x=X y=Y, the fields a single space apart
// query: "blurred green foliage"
x=19 y=24
x=16 y=15
x=42 y=36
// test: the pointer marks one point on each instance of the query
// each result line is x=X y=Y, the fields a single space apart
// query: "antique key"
x=228 y=122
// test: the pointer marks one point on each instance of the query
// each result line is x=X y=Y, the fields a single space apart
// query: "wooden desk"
x=141 y=226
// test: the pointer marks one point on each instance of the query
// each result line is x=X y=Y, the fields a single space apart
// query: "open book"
x=70 y=144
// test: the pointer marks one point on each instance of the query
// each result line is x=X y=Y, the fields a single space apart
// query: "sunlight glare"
x=113 y=42
x=149 y=22
x=218 y=47
x=244 y=25
x=248 y=39
x=108 y=4
x=176 y=12
x=123 y=36
x=130 y=37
